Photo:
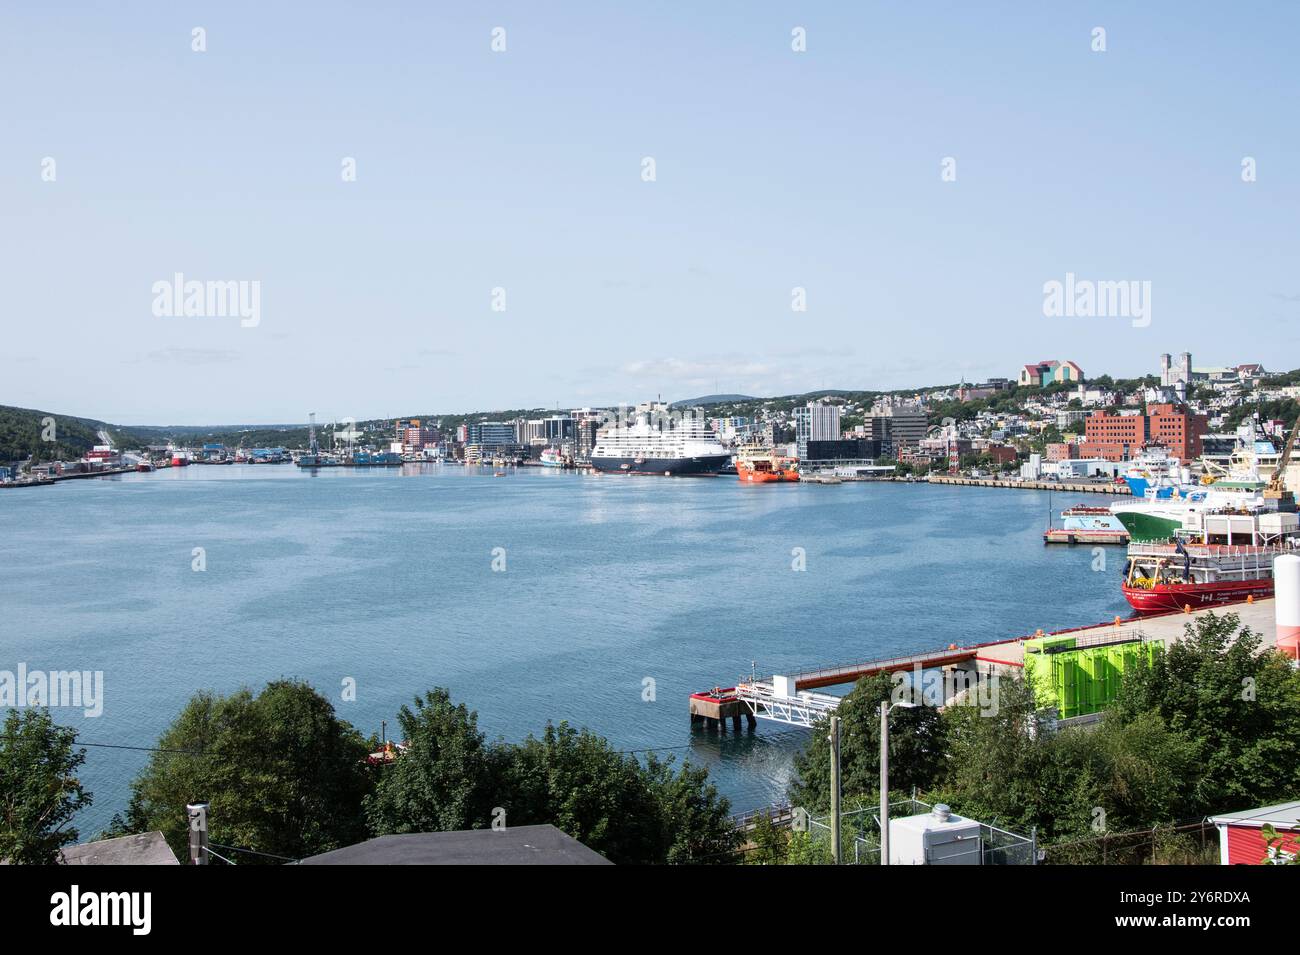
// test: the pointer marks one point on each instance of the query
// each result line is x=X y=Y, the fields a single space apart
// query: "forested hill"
x=23 y=433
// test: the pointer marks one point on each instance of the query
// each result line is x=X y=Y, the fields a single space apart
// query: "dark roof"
x=520 y=845
x=147 y=848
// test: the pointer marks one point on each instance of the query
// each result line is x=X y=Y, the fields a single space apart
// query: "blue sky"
x=522 y=170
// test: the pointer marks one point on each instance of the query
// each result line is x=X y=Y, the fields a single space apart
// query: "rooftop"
x=518 y=845
x=1284 y=814
x=146 y=848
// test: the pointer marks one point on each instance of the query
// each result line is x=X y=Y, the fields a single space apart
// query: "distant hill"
x=711 y=400
x=23 y=435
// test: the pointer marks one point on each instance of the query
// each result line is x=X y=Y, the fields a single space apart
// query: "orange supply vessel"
x=759 y=465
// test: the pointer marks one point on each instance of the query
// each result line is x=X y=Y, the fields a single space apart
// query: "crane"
x=1277 y=483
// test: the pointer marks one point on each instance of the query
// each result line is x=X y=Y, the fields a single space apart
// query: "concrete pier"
x=714 y=707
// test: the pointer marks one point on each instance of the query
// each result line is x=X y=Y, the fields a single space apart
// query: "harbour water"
x=609 y=582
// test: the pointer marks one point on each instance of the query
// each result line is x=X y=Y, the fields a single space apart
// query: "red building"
x=1241 y=839
x=1062 y=451
x=1119 y=437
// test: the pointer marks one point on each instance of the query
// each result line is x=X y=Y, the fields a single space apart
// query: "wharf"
x=1059 y=535
x=1074 y=487
x=789 y=698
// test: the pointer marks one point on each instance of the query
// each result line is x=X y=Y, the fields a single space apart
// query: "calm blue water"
x=386 y=577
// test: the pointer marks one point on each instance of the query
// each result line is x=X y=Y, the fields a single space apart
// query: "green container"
x=1081 y=680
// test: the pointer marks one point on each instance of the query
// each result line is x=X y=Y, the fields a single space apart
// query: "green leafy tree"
x=39 y=789
x=916 y=747
x=695 y=822
x=1240 y=706
x=282 y=773
x=576 y=781
x=445 y=779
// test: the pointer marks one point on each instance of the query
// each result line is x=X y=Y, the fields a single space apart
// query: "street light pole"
x=884 y=782
x=835 y=789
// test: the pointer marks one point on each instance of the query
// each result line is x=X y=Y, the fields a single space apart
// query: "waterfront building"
x=815 y=421
x=586 y=422
x=1121 y=436
x=840 y=452
x=899 y=423
x=487 y=439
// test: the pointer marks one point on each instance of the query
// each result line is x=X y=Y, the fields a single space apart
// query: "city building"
x=1172 y=375
x=985 y=389
x=815 y=421
x=586 y=423
x=1119 y=437
x=896 y=422
x=840 y=452
x=413 y=435
x=486 y=439
x=1045 y=373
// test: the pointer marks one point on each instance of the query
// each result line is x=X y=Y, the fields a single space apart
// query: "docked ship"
x=1225 y=556
x=552 y=458
x=1087 y=517
x=656 y=440
x=1163 y=511
x=1156 y=468
x=756 y=464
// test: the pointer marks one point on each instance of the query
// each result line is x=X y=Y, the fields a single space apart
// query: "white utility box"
x=939 y=837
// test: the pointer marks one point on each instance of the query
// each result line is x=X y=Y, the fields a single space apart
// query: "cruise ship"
x=656 y=440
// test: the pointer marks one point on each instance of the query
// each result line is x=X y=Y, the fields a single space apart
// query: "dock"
x=1059 y=535
x=789 y=698
x=1073 y=487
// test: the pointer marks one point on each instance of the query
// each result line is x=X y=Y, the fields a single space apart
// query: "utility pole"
x=884 y=782
x=835 y=788
x=198 y=816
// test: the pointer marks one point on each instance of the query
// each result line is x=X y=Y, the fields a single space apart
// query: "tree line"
x=285 y=776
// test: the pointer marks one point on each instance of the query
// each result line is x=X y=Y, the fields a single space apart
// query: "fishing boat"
x=552 y=458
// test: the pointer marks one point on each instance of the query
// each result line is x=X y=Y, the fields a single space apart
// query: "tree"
x=916 y=747
x=695 y=822
x=1240 y=706
x=444 y=780
x=449 y=778
x=281 y=772
x=39 y=789
x=576 y=781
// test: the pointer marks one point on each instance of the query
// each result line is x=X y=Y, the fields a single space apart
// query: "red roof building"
x=1241 y=839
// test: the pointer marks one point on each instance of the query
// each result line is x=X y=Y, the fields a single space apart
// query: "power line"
x=253 y=852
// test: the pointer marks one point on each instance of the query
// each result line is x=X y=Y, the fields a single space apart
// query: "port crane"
x=1277 y=482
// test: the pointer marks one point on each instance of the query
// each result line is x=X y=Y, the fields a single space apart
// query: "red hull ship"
x=1160 y=598
x=764 y=466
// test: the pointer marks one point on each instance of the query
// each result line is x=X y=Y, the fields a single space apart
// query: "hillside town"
x=1051 y=422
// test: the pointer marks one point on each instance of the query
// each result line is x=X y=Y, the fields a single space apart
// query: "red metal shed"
x=1240 y=838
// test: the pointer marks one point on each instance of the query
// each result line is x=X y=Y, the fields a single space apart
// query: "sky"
x=518 y=178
